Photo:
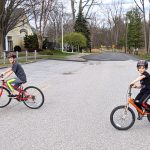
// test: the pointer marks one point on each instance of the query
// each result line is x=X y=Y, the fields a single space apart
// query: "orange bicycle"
x=31 y=96
x=123 y=117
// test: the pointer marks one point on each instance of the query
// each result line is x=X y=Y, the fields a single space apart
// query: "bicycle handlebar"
x=129 y=92
x=1 y=76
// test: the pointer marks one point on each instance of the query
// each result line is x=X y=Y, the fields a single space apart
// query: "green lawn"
x=46 y=54
x=144 y=56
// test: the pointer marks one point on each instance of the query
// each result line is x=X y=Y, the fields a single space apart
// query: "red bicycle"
x=31 y=96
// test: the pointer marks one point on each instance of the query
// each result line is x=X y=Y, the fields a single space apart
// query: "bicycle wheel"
x=148 y=117
x=35 y=97
x=122 y=118
x=4 y=99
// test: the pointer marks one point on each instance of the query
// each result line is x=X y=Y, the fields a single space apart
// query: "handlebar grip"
x=131 y=85
x=1 y=75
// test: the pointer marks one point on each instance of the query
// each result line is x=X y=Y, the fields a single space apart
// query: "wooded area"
x=109 y=25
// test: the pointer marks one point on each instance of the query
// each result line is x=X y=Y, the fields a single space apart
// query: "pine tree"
x=135 y=34
x=81 y=25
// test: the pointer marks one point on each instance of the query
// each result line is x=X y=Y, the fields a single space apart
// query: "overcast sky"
x=127 y=4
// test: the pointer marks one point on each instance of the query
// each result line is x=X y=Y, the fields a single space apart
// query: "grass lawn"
x=144 y=56
x=46 y=54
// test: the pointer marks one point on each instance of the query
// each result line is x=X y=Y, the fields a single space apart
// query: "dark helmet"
x=142 y=63
x=11 y=54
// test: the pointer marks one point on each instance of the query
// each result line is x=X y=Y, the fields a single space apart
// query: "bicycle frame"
x=131 y=101
x=19 y=89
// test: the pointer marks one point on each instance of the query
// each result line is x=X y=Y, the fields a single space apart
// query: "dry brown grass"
x=95 y=50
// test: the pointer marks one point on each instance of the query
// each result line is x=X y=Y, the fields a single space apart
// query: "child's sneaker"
x=139 y=117
x=12 y=95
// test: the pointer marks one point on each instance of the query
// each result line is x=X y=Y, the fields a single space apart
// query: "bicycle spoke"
x=35 y=97
x=122 y=118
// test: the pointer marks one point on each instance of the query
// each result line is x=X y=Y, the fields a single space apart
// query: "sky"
x=128 y=4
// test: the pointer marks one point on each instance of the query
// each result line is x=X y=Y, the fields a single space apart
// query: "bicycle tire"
x=4 y=99
x=122 y=117
x=33 y=103
x=148 y=117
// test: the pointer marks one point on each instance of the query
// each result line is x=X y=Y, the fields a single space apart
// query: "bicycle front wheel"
x=4 y=99
x=34 y=97
x=122 y=118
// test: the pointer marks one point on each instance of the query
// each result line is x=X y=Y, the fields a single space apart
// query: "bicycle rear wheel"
x=4 y=99
x=34 y=96
x=122 y=118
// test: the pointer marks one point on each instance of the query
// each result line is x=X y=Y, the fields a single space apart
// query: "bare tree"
x=85 y=5
x=114 y=13
x=73 y=9
x=149 y=29
x=54 y=29
x=40 y=10
x=142 y=8
x=11 y=14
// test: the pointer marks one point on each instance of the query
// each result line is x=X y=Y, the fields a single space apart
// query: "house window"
x=24 y=31
x=10 y=43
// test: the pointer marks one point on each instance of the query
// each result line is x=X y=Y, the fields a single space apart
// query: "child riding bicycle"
x=144 y=79
x=19 y=72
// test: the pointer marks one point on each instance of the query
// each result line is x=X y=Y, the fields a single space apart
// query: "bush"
x=31 y=42
x=75 y=39
x=17 y=48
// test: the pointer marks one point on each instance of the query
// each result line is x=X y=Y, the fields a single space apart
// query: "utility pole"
x=127 y=21
x=62 y=30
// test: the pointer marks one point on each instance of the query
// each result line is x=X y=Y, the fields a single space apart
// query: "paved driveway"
x=79 y=97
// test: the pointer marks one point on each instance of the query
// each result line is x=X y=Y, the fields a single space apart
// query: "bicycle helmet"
x=11 y=54
x=142 y=63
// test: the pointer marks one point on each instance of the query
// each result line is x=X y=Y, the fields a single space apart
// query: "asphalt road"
x=79 y=97
x=109 y=56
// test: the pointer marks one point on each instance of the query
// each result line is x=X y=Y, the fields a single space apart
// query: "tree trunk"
x=73 y=10
x=78 y=49
x=145 y=35
x=4 y=41
x=142 y=8
x=40 y=41
x=145 y=31
x=1 y=42
x=149 y=33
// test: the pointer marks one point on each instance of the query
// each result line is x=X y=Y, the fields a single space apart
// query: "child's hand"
x=131 y=85
x=134 y=86
x=2 y=78
x=2 y=75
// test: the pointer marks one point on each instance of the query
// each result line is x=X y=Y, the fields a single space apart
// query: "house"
x=16 y=36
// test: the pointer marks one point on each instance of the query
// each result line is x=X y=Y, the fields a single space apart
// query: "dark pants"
x=143 y=96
